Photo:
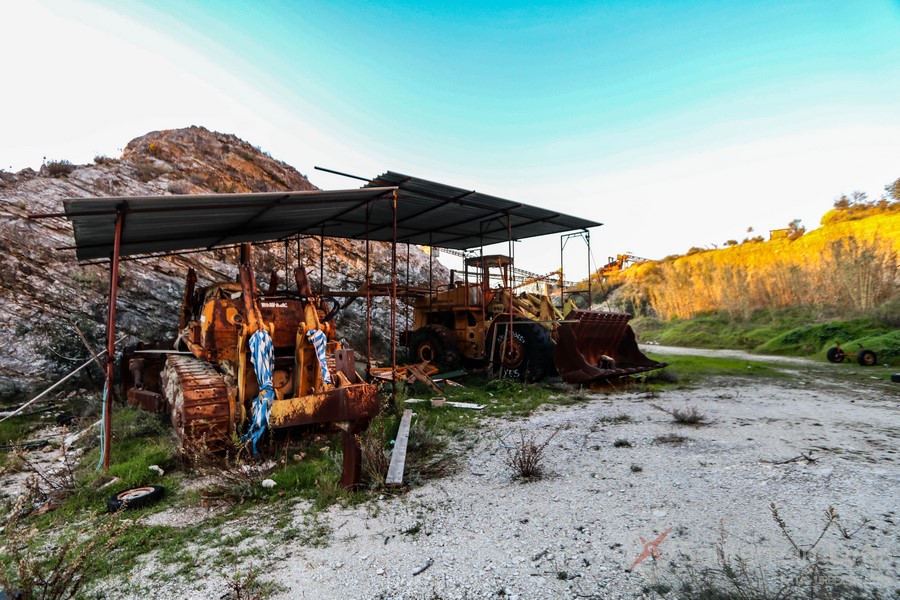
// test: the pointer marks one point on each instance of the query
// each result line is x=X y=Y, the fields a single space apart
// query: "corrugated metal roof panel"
x=428 y=213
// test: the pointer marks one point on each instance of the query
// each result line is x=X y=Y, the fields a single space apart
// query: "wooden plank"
x=398 y=456
x=448 y=403
x=424 y=378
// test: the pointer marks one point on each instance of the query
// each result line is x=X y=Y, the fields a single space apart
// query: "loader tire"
x=435 y=344
x=835 y=355
x=529 y=356
x=866 y=358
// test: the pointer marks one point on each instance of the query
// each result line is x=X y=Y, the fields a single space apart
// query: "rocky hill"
x=45 y=293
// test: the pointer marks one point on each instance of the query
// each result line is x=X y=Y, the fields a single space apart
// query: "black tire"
x=866 y=358
x=135 y=498
x=529 y=357
x=895 y=377
x=435 y=344
x=835 y=355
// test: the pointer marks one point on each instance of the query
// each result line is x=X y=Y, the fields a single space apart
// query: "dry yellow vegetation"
x=851 y=264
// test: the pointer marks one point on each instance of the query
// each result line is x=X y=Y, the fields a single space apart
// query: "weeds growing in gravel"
x=526 y=456
x=670 y=438
x=736 y=578
x=687 y=416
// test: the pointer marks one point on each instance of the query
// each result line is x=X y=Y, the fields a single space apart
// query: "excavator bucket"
x=593 y=346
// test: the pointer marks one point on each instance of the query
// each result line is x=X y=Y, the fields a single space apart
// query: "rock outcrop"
x=45 y=293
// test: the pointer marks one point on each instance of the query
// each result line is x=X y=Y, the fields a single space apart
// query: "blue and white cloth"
x=319 y=341
x=262 y=355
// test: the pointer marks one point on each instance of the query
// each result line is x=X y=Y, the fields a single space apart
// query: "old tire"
x=529 y=356
x=134 y=498
x=895 y=377
x=835 y=355
x=435 y=344
x=866 y=358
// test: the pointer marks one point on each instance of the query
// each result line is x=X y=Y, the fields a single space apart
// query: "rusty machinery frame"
x=382 y=191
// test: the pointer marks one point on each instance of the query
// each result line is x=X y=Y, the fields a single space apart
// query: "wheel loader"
x=245 y=358
x=519 y=336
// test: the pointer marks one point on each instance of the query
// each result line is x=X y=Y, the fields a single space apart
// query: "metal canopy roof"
x=428 y=213
x=441 y=215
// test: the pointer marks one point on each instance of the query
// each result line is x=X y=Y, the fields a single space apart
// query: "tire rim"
x=134 y=494
x=426 y=353
x=512 y=352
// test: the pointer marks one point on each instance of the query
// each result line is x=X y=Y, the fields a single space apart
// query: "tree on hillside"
x=892 y=190
x=795 y=230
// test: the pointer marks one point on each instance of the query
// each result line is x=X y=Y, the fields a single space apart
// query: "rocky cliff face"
x=45 y=293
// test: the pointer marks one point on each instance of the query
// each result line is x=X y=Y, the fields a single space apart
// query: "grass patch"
x=796 y=331
x=691 y=369
x=814 y=340
x=619 y=419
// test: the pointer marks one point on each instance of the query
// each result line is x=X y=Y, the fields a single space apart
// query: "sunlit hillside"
x=850 y=262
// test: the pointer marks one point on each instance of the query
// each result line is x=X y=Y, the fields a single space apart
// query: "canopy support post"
x=322 y=262
x=394 y=302
x=368 y=301
x=111 y=338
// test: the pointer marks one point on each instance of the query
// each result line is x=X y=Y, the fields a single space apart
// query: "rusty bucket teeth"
x=200 y=401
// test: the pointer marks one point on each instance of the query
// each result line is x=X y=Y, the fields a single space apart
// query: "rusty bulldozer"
x=211 y=381
x=520 y=336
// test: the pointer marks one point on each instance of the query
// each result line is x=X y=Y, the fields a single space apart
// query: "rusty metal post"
x=406 y=315
x=562 y=280
x=587 y=239
x=509 y=292
x=322 y=262
x=111 y=337
x=368 y=302
x=394 y=301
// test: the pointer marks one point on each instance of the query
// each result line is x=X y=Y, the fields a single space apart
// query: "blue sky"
x=677 y=124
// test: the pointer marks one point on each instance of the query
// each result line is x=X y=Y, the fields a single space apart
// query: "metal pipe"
x=111 y=338
x=342 y=174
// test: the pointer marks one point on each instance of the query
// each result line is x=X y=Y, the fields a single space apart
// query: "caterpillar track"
x=200 y=400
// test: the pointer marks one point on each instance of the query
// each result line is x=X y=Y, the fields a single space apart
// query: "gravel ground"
x=803 y=442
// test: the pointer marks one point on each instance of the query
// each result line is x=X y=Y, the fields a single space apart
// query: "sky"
x=676 y=124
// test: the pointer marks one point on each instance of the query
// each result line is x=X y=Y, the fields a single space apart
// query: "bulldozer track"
x=201 y=404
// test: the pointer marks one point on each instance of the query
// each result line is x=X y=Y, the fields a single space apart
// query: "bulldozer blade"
x=594 y=345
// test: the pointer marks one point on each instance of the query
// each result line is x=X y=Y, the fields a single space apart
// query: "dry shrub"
x=688 y=416
x=245 y=585
x=49 y=487
x=59 y=168
x=526 y=456
x=734 y=577
x=57 y=570
x=375 y=459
